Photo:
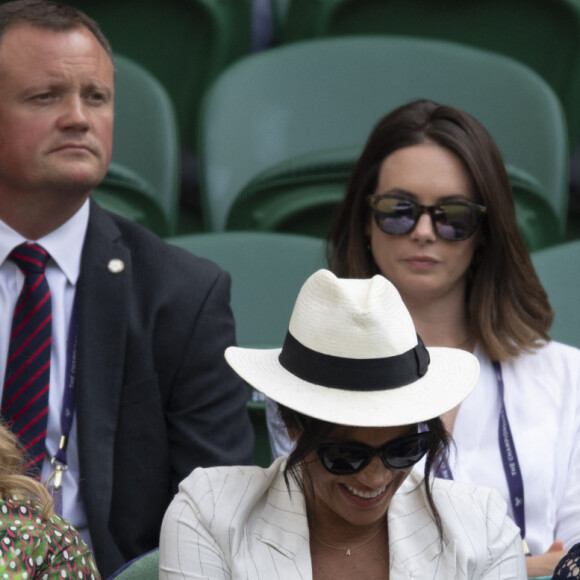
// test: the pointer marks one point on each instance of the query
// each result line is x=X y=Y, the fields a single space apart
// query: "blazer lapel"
x=103 y=303
x=283 y=531
x=415 y=547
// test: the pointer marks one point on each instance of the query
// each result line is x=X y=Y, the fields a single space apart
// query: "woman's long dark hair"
x=508 y=309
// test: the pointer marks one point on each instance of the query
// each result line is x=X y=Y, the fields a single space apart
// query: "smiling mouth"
x=365 y=494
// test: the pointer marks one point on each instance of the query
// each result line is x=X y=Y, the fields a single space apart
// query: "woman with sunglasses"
x=429 y=206
x=354 y=383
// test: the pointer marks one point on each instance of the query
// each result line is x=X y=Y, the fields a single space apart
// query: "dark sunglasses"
x=453 y=221
x=351 y=457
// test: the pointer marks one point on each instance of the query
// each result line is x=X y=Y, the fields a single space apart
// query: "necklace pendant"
x=348 y=552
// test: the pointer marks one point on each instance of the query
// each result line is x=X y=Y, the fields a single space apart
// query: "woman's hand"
x=545 y=564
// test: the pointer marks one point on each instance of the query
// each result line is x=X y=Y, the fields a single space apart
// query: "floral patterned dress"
x=34 y=548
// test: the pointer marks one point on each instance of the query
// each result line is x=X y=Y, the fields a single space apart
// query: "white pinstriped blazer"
x=241 y=523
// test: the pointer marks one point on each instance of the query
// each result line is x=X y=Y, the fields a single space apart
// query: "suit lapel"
x=103 y=304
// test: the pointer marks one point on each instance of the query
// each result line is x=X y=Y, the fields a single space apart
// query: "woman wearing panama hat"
x=361 y=396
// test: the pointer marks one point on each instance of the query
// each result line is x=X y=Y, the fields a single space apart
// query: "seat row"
x=280 y=131
x=187 y=43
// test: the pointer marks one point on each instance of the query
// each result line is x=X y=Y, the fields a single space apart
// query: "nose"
x=74 y=116
x=375 y=474
x=423 y=231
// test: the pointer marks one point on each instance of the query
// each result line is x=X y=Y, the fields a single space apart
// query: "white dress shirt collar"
x=64 y=244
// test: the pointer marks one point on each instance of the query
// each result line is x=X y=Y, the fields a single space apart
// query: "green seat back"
x=267 y=270
x=279 y=11
x=301 y=195
x=536 y=218
x=145 y=567
x=543 y=34
x=305 y=98
x=295 y=196
x=558 y=268
x=129 y=195
x=145 y=139
x=183 y=43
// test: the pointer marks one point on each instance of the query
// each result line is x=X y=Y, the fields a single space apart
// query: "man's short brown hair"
x=48 y=15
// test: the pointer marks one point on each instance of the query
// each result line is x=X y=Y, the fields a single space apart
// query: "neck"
x=352 y=540
x=331 y=529
x=441 y=323
x=35 y=217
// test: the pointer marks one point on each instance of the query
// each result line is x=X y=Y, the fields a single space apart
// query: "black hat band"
x=372 y=374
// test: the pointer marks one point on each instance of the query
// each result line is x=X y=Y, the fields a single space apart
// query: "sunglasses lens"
x=455 y=221
x=348 y=458
x=406 y=451
x=395 y=215
x=343 y=459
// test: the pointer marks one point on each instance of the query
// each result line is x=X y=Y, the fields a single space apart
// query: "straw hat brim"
x=452 y=375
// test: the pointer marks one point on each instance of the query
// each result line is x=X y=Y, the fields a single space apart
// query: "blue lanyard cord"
x=509 y=459
x=59 y=461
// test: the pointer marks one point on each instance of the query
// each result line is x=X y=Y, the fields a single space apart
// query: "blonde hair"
x=13 y=482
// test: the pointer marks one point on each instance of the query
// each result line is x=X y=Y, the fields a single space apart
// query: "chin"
x=73 y=189
x=80 y=181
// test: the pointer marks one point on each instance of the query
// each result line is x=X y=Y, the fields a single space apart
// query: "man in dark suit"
x=138 y=327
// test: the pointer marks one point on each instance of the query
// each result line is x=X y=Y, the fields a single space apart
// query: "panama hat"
x=352 y=356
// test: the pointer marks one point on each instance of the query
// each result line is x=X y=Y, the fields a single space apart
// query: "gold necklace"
x=348 y=550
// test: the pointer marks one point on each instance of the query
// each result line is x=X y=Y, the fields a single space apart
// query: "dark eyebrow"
x=398 y=191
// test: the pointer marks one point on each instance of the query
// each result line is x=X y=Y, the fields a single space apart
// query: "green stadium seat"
x=543 y=34
x=300 y=196
x=558 y=268
x=143 y=179
x=146 y=137
x=271 y=111
x=183 y=43
x=145 y=567
x=267 y=270
x=127 y=194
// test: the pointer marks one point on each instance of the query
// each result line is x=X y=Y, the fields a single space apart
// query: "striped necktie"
x=25 y=395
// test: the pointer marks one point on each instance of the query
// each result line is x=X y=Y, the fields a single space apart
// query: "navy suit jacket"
x=154 y=395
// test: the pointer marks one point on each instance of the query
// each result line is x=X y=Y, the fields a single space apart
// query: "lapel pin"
x=116 y=266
